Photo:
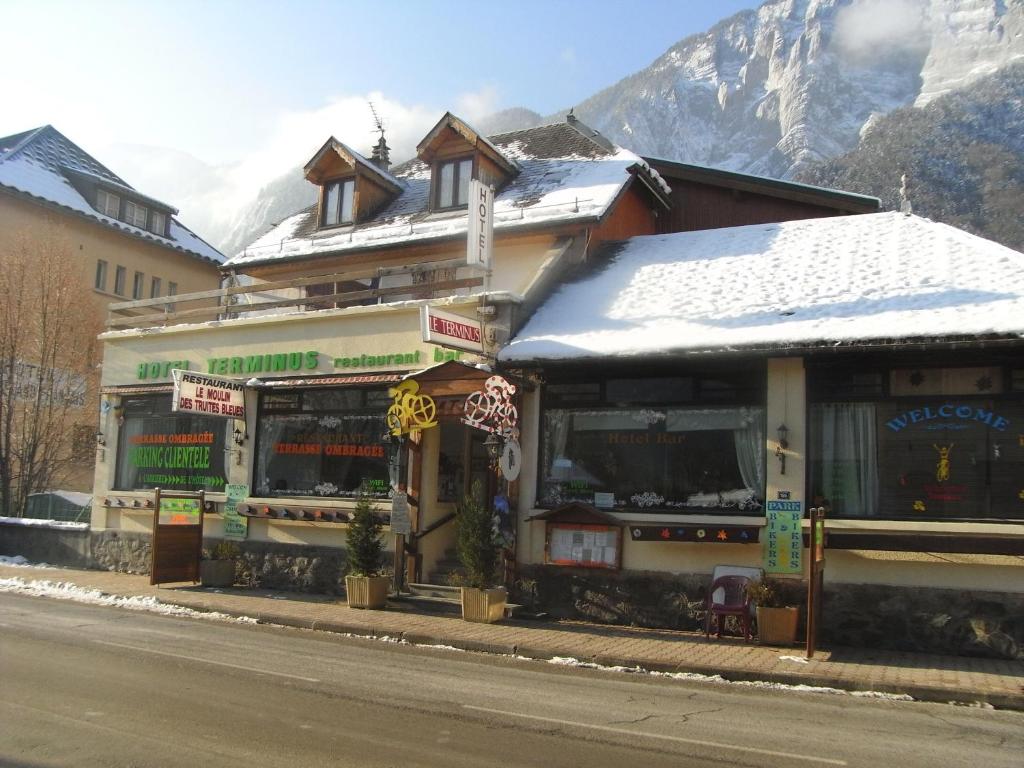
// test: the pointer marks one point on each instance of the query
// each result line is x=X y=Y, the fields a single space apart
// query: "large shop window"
x=171 y=451
x=666 y=444
x=324 y=442
x=930 y=444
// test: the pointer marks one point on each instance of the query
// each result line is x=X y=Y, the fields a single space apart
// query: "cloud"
x=213 y=206
x=869 y=28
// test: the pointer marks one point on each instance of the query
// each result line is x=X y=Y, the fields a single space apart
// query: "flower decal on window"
x=919 y=506
x=647 y=499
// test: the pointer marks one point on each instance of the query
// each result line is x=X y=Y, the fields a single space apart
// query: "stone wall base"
x=989 y=624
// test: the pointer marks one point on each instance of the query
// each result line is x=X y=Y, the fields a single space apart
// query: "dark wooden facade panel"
x=697 y=206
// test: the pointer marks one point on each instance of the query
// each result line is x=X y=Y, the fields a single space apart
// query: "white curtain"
x=848 y=457
x=750 y=451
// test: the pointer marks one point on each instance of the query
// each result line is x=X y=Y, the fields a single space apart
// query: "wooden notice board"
x=177 y=536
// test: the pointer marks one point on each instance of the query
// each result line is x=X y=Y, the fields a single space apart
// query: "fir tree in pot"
x=478 y=550
x=776 y=620
x=364 y=584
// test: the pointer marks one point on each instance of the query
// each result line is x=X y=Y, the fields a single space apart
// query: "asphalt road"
x=91 y=686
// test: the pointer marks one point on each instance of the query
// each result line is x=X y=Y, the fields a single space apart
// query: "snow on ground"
x=568 y=661
x=37 y=522
x=829 y=280
x=65 y=590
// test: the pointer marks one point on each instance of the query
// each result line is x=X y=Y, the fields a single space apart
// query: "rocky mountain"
x=773 y=91
x=962 y=153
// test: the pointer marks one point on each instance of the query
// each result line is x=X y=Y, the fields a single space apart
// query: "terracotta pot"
x=777 y=626
x=367 y=591
x=484 y=606
x=216 y=573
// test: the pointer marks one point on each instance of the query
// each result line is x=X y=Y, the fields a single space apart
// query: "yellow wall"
x=89 y=241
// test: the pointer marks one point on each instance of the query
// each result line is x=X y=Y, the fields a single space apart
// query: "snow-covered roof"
x=354 y=157
x=38 y=164
x=564 y=176
x=868 y=277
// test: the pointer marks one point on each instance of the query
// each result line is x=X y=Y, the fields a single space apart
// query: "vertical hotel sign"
x=480 y=240
x=450 y=330
x=783 y=541
x=208 y=395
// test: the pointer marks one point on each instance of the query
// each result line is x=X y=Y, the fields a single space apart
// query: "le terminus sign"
x=208 y=395
x=450 y=330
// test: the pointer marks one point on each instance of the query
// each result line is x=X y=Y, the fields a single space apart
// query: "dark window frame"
x=340 y=183
x=298 y=406
x=120 y=279
x=824 y=386
x=456 y=162
x=101 y=275
x=750 y=391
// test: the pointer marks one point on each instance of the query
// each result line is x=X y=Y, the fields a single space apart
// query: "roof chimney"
x=381 y=156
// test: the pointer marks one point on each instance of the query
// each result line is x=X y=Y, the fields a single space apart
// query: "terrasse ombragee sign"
x=208 y=395
x=947 y=416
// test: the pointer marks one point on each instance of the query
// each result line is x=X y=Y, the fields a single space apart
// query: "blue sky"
x=224 y=80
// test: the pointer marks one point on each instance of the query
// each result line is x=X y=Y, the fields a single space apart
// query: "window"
x=158 y=223
x=945 y=443
x=324 y=442
x=453 y=183
x=135 y=214
x=172 y=290
x=108 y=204
x=655 y=443
x=101 y=275
x=338 y=196
x=155 y=287
x=158 y=448
x=119 y=279
x=137 y=285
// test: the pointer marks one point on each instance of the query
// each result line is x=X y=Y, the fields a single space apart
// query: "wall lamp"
x=101 y=440
x=239 y=436
x=780 y=449
x=493 y=446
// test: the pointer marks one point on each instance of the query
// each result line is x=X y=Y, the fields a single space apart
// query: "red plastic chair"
x=734 y=602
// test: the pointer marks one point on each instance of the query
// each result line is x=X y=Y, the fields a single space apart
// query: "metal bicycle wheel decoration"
x=491 y=409
x=410 y=410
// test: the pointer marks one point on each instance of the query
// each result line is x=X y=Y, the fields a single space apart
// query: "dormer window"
x=158 y=223
x=135 y=214
x=108 y=204
x=453 y=183
x=338 y=199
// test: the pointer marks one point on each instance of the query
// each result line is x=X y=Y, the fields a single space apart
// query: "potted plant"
x=365 y=587
x=218 y=570
x=776 y=621
x=478 y=550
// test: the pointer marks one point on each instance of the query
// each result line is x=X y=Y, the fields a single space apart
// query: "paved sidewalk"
x=924 y=677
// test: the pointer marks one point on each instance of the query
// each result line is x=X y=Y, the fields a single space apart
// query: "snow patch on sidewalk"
x=64 y=590
x=568 y=661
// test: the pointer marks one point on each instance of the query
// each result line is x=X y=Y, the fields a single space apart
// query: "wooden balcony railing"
x=238 y=300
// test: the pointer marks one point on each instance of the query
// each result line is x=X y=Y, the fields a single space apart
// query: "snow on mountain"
x=774 y=90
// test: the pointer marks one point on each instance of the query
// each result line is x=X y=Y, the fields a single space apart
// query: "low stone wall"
x=122 y=552
x=298 y=569
x=868 y=616
x=39 y=544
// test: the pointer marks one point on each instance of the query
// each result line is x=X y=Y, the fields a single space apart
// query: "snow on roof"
x=832 y=280
x=563 y=176
x=36 y=164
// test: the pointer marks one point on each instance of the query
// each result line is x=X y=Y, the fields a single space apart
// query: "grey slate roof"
x=39 y=164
